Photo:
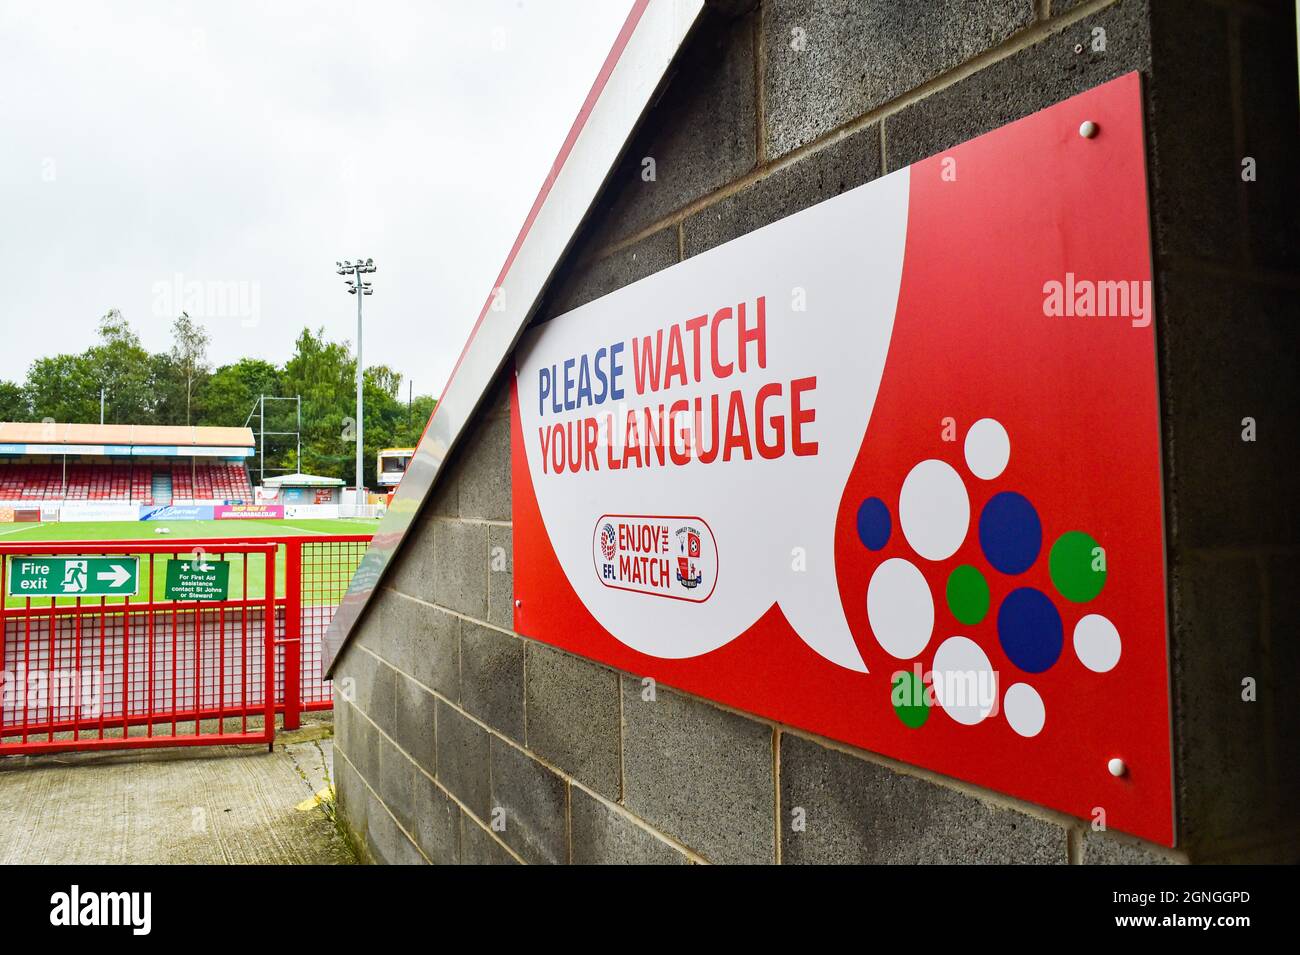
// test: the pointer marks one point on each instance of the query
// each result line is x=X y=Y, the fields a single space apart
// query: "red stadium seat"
x=122 y=482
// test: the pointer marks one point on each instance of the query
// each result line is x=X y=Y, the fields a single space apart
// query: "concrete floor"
x=196 y=806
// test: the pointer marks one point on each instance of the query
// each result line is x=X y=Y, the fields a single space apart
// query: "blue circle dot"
x=1010 y=533
x=874 y=523
x=1029 y=629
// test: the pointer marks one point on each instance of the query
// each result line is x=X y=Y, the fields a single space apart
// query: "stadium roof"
x=302 y=480
x=624 y=90
x=137 y=435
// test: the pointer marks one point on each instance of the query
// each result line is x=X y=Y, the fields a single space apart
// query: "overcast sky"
x=164 y=154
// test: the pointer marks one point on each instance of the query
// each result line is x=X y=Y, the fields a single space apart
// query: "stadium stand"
x=62 y=463
x=112 y=482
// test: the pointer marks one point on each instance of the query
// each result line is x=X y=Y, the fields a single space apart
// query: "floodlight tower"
x=359 y=288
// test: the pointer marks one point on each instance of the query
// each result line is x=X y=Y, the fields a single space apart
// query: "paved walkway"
x=198 y=805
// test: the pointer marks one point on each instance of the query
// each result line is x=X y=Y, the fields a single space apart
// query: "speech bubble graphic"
x=737 y=387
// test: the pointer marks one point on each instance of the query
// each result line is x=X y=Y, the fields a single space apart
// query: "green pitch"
x=325 y=583
x=147 y=530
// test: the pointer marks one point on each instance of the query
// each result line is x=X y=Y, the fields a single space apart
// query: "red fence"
x=145 y=670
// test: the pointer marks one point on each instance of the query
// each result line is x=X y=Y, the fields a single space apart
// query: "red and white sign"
x=243 y=512
x=896 y=459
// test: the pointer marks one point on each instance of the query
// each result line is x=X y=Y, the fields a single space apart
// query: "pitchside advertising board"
x=887 y=470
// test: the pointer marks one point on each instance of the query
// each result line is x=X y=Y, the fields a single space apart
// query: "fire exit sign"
x=74 y=576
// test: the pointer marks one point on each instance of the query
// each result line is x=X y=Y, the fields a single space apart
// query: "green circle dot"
x=968 y=594
x=1078 y=566
x=908 y=697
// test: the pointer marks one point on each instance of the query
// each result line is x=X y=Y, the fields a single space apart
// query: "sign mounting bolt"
x=1088 y=129
x=1117 y=767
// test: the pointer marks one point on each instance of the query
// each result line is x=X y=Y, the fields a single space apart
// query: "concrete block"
x=1195 y=167
x=573 y=716
x=606 y=835
x=413 y=724
x=702 y=134
x=1114 y=848
x=423 y=642
x=501 y=577
x=437 y=823
x=1272 y=138
x=363 y=750
x=699 y=774
x=829 y=171
x=492 y=678
x=396 y=783
x=353 y=800
x=1284 y=666
x=1223 y=772
x=829 y=61
x=477 y=847
x=854 y=811
x=411 y=571
x=385 y=841
x=445 y=500
x=463 y=766
x=532 y=800
x=1023 y=83
x=1230 y=353
x=342 y=720
x=497 y=403
x=460 y=571
x=373 y=686
x=484 y=472
x=586 y=281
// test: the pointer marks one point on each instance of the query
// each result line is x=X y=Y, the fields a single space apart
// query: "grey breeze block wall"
x=456 y=723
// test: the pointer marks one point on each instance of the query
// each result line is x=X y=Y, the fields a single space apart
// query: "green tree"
x=417 y=416
x=13 y=402
x=189 y=355
x=63 y=388
x=125 y=371
x=225 y=398
x=324 y=373
x=321 y=372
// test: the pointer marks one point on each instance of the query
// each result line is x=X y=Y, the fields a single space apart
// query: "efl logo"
x=103 y=908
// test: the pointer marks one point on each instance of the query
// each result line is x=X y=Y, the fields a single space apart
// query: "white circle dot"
x=1024 y=709
x=934 y=510
x=1117 y=766
x=963 y=680
x=988 y=449
x=1096 y=643
x=900 y=608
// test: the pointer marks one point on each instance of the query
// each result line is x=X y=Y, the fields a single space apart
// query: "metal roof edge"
x=622 y=93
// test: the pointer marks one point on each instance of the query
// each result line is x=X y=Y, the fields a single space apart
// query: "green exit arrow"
x=74 y=576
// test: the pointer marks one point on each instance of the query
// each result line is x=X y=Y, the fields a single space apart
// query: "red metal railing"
x=317 y=573
x=105 y=672
x=122 y=672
